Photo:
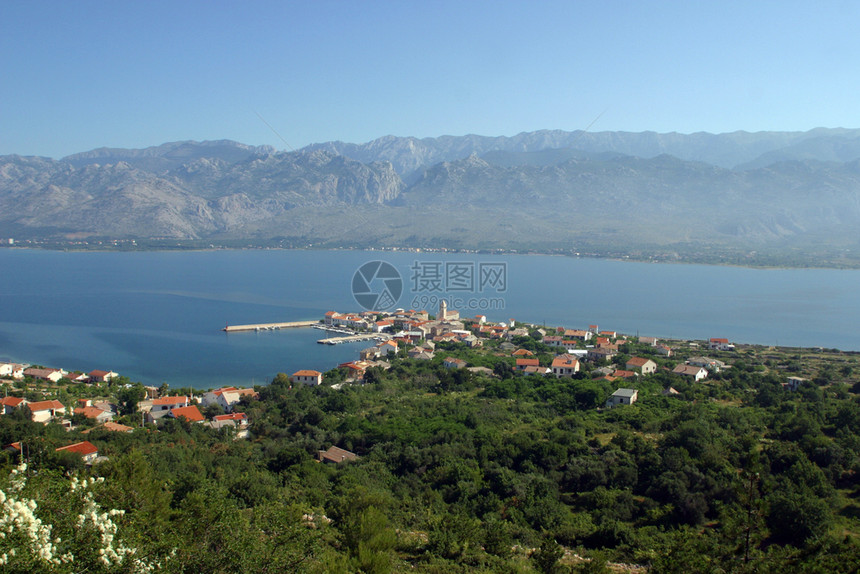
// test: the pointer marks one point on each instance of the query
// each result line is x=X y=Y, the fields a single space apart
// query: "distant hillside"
x=203 y=197
x=674 y=197
x=169 y=156
x=832 y=149
x=729 y=150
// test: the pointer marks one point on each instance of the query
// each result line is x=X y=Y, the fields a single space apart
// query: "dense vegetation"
x=465 y=472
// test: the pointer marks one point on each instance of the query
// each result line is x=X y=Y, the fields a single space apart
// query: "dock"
x=269 y=326
x=354 y=338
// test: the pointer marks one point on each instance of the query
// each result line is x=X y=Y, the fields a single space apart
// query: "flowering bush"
x=32 y=518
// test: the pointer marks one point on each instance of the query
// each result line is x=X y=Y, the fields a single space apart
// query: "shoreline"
x=436 y=250
x=741 y=346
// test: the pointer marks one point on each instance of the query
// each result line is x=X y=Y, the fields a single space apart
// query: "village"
x=408 y=334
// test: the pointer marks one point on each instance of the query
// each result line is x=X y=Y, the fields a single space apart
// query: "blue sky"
x=79 y=75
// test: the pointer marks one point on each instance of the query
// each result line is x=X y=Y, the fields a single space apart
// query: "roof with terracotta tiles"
x=82 y=448
x=192 y=413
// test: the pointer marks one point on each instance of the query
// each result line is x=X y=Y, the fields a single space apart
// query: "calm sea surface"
x=157 y=316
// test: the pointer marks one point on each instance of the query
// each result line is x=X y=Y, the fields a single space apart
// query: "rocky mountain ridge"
x=548 y=190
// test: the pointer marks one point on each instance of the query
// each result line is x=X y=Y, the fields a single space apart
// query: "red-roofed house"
x=355 y=369
x=240 y=419
x=87 y=450
x=533 y=370
x=168 y=403
x=523 y=363
x=380 y=326
x=331 y=316
x=192 y=413
x=94 y=413
x=306 y=377
x=664 y=350
x=421 y=353
x=110 y=426
x=452 y=363
x=44 y=411
x=9 y=404
x=387 y=347
x=565 y=366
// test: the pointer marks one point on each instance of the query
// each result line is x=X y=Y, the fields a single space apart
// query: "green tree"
x=370 y=540
x=796 y=517
x=546 y=558
x=129 y=396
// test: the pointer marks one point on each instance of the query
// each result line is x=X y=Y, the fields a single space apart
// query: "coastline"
x=812 y=264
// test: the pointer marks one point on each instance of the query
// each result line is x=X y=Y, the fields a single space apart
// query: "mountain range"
x=785 y=197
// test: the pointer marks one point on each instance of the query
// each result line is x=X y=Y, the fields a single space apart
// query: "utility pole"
x=750 y=494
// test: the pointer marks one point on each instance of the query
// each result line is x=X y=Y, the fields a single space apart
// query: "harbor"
x=355 y=338
x=269 y=326
x=349 y=336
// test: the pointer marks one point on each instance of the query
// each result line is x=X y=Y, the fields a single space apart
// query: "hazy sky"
x=79 y=75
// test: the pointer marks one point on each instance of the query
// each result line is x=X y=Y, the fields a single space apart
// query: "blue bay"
x=157 y=316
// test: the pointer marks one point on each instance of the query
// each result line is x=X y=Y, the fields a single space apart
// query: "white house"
x=52 y=375
x=98 y=376
x=523 y=363
x=565 y=366
x=95 y=413
x=236 y=419
x=306 y=377
x=578 y=334
x=599 y=354
x=168 y=403
x=227 y=397
x=622 y=397
x=44 y=411
x=720 y=345
x=13 y=370
x=698 y=373
x=86 y=450
x=712 y=365
x=642 y=365
x=9 y=404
